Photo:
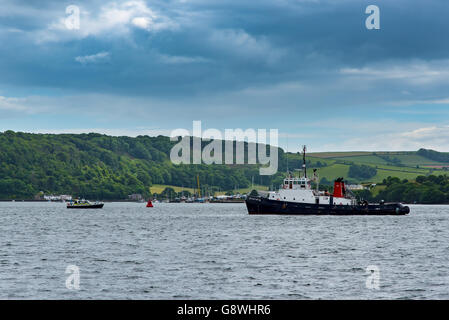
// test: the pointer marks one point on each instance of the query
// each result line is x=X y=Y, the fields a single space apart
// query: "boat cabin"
x=297 y=183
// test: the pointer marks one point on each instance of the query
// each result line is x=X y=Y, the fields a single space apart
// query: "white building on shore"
x=62 y=197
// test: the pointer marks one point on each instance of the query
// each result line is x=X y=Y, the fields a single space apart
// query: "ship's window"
x=293 y=198
x=284 y=197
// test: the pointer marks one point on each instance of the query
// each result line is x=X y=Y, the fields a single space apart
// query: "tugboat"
x=84 y=204
x=297 y=197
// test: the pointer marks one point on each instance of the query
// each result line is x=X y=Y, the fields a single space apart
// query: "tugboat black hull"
x=261 y=205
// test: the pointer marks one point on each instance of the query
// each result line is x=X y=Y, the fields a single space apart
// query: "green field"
x=337 y=164
x=414 y=160
x=368 y=159
x=332 y=165
x=247 y=190
x=158 y=188
x=404 y=165
x=333 y=172
x=338 y=154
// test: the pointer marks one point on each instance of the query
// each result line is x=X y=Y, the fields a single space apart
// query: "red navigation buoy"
x=149 y=204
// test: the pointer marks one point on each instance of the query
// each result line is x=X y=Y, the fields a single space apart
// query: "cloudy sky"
x=309 y=68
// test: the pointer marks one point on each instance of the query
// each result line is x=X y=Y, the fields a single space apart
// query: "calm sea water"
x=217 y=251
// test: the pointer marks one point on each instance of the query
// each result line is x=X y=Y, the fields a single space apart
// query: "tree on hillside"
x=168 y=193
x=103 y=167
x=254 y=193
x=426 y=190
x=361 y=171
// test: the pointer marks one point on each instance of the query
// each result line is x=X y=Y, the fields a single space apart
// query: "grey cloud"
x=224 y=48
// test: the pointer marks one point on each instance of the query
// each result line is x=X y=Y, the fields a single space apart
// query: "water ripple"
x=217 y=251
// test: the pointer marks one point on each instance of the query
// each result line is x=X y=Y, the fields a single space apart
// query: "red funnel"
x=339 y=188
x=149 y=204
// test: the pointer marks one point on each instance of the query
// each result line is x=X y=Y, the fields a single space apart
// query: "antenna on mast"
x=304 y=161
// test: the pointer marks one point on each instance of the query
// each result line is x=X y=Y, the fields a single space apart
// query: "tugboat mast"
x=304 y=161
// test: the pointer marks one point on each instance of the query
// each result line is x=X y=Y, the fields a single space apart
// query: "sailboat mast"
x=198 y=181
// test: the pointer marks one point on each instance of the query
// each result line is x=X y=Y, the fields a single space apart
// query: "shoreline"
x=213 y=202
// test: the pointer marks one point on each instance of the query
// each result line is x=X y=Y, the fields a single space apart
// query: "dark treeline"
x=434 y=155
x=97 y=166
x=426 y=190
x=361 y=171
